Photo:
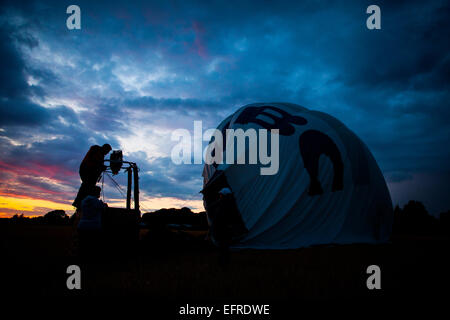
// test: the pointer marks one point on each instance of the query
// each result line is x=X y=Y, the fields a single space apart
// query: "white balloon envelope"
x=328 y=188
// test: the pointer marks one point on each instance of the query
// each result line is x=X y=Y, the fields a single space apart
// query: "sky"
x=136 y=71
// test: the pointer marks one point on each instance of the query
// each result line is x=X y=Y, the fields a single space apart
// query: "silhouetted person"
x=92 y=209
x=90 y=225
x=91 y=169
x=221 y=225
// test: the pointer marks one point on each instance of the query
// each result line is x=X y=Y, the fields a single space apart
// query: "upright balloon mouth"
x=226 y=224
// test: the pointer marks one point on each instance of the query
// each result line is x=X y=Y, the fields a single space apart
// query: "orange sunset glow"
x=35 y=188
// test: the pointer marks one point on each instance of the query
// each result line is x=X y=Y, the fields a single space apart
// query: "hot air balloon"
x=328 y=188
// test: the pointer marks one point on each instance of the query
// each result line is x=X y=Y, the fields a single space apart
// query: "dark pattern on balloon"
x=313 y=144
x=224 y=142
x=283 y=122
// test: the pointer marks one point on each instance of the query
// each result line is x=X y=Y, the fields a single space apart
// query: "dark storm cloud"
x=23 y=112
x=65 y=149
x=15 y=104
x=12 y=76
x=163 y=178
x=171 y=104
x=411 y=51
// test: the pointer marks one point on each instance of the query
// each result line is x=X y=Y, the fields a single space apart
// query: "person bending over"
x=91 y=169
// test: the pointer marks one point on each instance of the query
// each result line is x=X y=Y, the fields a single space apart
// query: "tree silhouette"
x=414 y=219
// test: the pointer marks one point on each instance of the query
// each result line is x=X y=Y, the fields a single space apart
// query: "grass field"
x=181 y=267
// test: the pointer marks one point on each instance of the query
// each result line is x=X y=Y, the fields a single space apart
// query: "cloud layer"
x=138 y=70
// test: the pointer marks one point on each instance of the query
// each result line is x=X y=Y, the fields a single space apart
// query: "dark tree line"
x=414 y=219
x=55 y=217
x=157 y=218
x=183 y=216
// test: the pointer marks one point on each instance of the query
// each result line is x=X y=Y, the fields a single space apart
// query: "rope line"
x=119 y=188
